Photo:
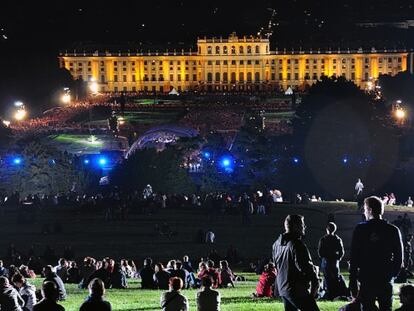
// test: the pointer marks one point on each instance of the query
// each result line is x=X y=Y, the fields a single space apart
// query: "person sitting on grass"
x=208 y=299
x=50 y=295
x=406 y=298
x=226 y=275
x=173 y=300
x=118 y=277
x=26 y=291
x=95 y=299
x=147 y=275
x=213 y=273
x=53 y=277
x=9 y=297
x=161 y=277
x=266 y=282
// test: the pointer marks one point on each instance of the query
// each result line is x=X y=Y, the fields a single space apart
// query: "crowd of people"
x=380 y=254
x=16 y=292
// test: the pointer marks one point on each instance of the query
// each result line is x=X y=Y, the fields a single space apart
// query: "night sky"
x=32 y=34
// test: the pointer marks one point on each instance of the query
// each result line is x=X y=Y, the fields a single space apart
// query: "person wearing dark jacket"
x=296 y=271
x=95 y=299
x=161 y=277
x=118 y=277
x=53 y=277
x=376 y=258
x=50 y=295
x=331 y=251
x=103 y=274
x=147 y=275
x=10 y=299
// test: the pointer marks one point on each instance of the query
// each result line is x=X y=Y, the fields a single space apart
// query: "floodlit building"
x=231 y=64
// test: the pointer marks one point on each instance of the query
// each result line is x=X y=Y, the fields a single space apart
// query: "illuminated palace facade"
x=232 y=64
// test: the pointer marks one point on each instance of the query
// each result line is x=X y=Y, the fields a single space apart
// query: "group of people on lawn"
x=376 y=259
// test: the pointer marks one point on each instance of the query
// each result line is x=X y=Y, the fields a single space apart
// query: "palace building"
x=232 y=64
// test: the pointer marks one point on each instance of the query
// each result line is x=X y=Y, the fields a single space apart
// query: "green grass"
x=233 y=299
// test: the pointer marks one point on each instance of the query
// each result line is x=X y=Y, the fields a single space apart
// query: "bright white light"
x=6 y=123
x=65 y=98
x=93 y=86
x=18 y=104
x=20 y=114
x=400 y=114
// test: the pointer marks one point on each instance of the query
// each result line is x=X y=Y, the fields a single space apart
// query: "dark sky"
x=32 y=33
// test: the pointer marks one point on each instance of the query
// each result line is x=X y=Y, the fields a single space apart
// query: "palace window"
x=194 y=77
x=241 y=76
x=171 y=77
x=225 y=77
x=224 y=62
x=257 y=76
x=257 y=62
x=217 y=76
x=241 y=50
x=249 y=49
x=209 y=50
x=217 y=50
x=179 y=77
x=161 y=77
x=115 y=78
x=217 y=62
x=133 y=78
x=225 y=49
x=233 y=62
x=124 y=78
x=257 y=49
x=233 y=50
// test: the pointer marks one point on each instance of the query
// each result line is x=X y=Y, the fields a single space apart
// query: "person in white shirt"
x=410 y=202
x=208 y=299
x=173 y=300
x=210 y=236
x=359 y=186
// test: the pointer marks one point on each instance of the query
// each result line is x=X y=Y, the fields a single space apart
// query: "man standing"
x=331 y=251
x=359 y=186
x=296 y=272
x=376 y=258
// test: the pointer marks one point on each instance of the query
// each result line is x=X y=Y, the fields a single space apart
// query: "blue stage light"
x=86 y=161
x=345 y=160
x=226 y=163
x=17 y=161
x=102 y=161
x=206 y=155
x=295 y=160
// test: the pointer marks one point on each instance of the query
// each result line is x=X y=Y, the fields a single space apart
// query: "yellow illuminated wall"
x=242 y=56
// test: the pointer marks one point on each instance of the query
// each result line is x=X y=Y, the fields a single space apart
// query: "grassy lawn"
x=238 y=298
